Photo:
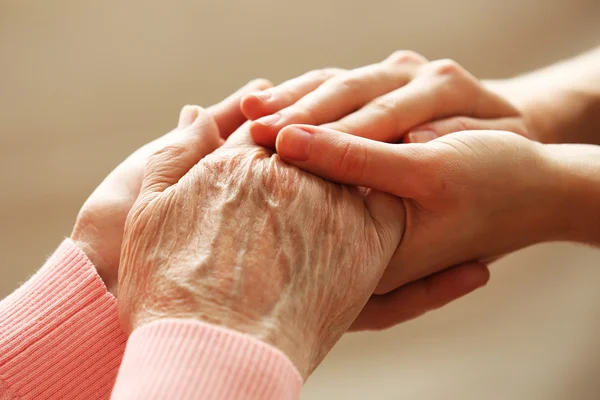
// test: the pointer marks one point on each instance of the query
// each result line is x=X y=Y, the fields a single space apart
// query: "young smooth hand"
x=408 y=98
x=468 y=196
x=403 y=98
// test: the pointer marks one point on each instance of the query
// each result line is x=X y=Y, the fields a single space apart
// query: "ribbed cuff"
x=59 y=333
x=189 y=359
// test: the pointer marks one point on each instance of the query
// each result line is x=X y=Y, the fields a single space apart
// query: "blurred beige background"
x=82 y=84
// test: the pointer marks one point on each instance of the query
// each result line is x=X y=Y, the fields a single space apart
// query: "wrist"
x=560 y=103
x=537 y=103
x=576 y=183
x=562 y=115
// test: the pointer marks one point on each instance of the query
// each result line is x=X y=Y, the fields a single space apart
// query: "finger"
x=432 y=130
x=228 y=113
x=181 y=152
x=266 y=102
x=187 y=116
x=240 y=138
x=383 y=119
x=441 y=89
x=334 y=99
x=417 y=298
x=348 y=159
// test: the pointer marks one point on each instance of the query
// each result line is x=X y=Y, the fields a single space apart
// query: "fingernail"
x=262 y=95
x=295 y=144
x=269 y=119
x=187 y=116
x=421 y=136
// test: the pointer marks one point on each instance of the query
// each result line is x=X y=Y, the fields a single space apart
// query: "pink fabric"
x=187 y=359
x=59 y=334
x=60 y=339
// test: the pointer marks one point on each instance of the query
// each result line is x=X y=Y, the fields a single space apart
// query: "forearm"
x=561 y=103
x=577 y=189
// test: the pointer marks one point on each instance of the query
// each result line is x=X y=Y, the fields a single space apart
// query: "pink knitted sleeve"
x=188 y=359
x=59 y=334
x=60 y=339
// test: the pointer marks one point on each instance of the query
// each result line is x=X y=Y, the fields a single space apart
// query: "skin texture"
x=468 y=196
x=239 y=238
x=407 y=98
x=403 y=98
x=561 y=102
x=99 y=225
x=473 y=195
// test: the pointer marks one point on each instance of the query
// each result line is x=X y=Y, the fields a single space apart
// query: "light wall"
x=82 y=84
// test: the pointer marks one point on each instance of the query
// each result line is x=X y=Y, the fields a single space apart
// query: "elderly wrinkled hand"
x=238 y=238
x=99 y=226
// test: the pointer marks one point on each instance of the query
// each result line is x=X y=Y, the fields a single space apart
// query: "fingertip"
x=262 y=135
x=479 y=275
x=253 y=105
x=228 y=113
x=187 y=116
x=293 y=143
x=205 y=126
x=202 y=116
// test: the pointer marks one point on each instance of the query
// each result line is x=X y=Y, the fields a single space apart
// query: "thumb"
x=353 y=160
x=197 y=136
x=433 y=130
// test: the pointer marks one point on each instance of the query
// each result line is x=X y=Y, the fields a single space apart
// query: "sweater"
x=60 y=339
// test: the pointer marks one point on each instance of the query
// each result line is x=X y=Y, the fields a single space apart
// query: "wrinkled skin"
x=99 y=225
x=241 y=239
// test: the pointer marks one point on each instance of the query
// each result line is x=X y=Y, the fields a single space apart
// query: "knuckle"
x=456 y=89
x=170 y=152
x=350 y=83
x=164 y=159
x=325 y=74
x=446 y=68
x=225 y=163
x=353 y=161
x=400 y=57
x=385 y=105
